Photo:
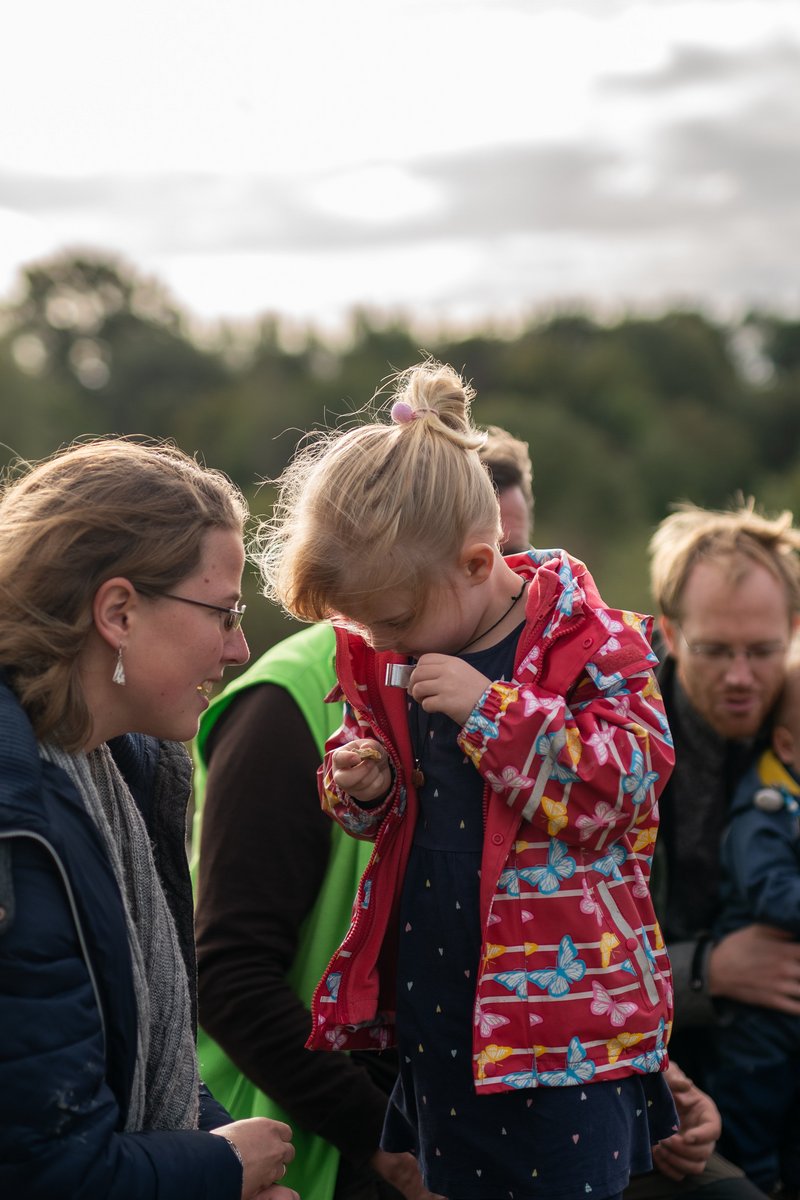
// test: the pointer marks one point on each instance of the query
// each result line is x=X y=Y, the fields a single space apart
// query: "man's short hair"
x=509 y=463
x=735 y=538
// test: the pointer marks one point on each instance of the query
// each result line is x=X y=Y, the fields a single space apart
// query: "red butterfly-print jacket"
x=574 y=982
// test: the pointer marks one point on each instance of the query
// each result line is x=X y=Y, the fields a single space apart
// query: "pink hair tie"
x=402 y=413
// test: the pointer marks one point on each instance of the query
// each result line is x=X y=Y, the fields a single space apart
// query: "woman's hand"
x=362 y=769
x=266 y=1148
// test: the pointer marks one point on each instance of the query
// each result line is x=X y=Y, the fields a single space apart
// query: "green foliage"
x=622 y=419
x=93 y=330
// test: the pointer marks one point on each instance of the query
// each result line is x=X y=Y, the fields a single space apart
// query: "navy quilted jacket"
x=67 y=1010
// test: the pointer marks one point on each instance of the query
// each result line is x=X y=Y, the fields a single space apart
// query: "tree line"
x=622 y=419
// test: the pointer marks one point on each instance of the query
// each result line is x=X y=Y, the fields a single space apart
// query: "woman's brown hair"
x=97 y=509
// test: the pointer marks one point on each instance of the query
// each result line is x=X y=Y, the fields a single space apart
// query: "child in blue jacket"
x=756 y=1083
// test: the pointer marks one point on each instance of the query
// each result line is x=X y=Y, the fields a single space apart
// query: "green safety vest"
x=303 y=665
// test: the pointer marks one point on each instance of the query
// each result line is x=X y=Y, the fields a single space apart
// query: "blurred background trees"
x=622 y=419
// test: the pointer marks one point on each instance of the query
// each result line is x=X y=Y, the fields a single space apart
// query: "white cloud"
x=440 y=155
x=377 y=195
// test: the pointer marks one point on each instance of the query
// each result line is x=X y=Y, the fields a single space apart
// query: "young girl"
x=504 y=744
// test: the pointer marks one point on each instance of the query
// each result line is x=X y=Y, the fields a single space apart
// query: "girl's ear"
x=478 y=561
x=112 y=607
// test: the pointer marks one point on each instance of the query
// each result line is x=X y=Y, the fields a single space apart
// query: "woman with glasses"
x=120 y=576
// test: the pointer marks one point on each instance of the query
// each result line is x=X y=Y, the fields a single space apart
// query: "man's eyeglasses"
x=720 y=654
x=233 y=616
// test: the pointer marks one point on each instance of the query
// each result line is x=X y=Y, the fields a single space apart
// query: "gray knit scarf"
x=164 y=1094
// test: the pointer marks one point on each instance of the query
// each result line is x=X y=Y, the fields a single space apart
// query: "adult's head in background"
x=727 y=586
x=509 y=464
x=119 y=553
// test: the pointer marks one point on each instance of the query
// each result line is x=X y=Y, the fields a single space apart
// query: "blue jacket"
x=761 y=851
x=67 y=1008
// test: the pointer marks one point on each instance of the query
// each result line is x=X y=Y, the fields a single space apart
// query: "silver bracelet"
x=235 y=1150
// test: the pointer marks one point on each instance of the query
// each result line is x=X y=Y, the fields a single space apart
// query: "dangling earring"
x=119 y=670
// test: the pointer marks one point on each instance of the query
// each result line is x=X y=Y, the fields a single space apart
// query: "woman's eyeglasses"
x=233 y=616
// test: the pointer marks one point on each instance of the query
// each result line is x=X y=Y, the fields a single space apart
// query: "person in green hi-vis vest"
x=275 y=880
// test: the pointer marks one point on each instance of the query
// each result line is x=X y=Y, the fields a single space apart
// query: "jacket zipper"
x=364 y=926
x=530 y=641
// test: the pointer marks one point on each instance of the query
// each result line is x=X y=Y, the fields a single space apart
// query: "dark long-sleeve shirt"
x=263 y=855
x=686 y=871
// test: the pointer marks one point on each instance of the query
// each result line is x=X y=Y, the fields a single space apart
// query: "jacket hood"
x=771 y=787
x=20 y=765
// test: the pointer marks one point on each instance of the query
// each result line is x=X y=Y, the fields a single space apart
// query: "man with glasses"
x=727 y=586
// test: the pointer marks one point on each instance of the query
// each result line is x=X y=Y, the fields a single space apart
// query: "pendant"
x=417 y=778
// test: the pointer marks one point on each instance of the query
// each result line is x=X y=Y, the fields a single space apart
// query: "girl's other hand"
x=362 y=769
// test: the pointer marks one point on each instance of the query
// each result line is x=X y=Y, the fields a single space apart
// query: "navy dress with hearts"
x=554 y=1142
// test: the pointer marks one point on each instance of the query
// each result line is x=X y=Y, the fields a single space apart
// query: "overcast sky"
x=453 y=159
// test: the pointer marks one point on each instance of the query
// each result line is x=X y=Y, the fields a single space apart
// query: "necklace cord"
x=418 y=741
x=500 y=619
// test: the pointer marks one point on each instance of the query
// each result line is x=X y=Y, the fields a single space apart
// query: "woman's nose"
x=237 y=649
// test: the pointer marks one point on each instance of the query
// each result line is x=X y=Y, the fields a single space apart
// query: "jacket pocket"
x=633 y=940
